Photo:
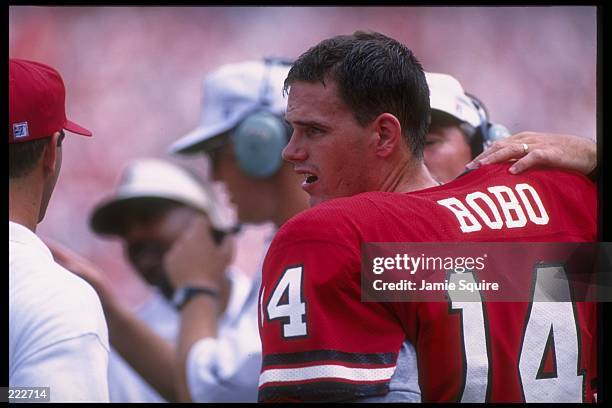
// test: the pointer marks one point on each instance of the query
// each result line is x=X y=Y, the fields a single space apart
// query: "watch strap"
x=189 y=292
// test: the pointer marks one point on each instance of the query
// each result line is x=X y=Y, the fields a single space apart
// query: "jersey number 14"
x=548 y=322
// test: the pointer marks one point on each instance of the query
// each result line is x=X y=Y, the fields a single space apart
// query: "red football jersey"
x=322 y=343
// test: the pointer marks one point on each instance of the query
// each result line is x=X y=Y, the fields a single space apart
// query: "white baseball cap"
x=447 y=95
x=231 y=93
x=156 y=178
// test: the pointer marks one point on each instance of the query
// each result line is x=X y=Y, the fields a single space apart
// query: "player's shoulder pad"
x=336 y=221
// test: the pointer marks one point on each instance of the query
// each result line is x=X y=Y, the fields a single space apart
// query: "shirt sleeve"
x=223 y=369
x=320 y=342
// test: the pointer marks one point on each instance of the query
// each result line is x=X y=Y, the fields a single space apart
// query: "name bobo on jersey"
x=519 y=205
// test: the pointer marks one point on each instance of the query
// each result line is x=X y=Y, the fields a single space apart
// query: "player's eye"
x=432 y=140
x=313 y=131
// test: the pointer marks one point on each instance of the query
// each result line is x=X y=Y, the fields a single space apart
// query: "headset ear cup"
x=496 y=132
x=258 y=144
x=493 y=133
x=477 y=142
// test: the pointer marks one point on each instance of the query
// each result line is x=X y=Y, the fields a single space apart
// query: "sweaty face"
x=148 y=233
x=328 y=147
x=446 y=152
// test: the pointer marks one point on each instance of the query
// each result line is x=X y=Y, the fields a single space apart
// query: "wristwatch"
x=186 y=293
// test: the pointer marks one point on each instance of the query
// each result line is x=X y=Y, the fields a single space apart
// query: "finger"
x=513 y=151
x=516 y=139
x=200 y=226
x=495 y=147
x=493 y=150
x=196 y=232
x=530 y=160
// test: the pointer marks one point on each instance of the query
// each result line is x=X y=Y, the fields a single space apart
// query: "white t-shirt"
x=57 y=333
x=125 y=384
x=226 y=368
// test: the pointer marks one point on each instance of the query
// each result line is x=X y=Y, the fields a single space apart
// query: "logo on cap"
x=20 y=130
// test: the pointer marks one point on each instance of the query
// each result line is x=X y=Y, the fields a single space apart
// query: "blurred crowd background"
x=133 y=76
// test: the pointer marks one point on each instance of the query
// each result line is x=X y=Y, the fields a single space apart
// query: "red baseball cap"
x=37 y=98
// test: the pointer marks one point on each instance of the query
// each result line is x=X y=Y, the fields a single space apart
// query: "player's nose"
x=294 y=151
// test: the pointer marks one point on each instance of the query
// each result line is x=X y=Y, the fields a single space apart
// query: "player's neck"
x=24 y=202
x=411 y=175
x=292 y=199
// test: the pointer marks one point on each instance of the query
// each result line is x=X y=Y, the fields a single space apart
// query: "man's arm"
x=546 y=149
x=147 y=352
x=196 y=261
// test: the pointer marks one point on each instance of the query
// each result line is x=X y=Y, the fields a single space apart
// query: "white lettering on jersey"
x=471 y=200
x=521 y=189
x=467 y=221
x=516 y=210
x=509 y=206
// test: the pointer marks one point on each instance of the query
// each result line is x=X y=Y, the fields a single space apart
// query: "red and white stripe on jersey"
x=286 y=375
x=324 y=375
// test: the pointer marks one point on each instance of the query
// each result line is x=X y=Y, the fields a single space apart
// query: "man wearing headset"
x=243 y=133
x=461 y=133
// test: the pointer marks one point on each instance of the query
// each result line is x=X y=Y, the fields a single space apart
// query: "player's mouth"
x=310 y=179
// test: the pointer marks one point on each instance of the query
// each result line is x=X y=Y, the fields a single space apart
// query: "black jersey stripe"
x=329 y=356
x=329 y=391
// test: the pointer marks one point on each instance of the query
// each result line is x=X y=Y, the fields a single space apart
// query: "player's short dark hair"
x=23 y=156
x=375 y=74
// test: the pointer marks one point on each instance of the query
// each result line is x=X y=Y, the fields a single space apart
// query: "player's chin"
x=314 y=200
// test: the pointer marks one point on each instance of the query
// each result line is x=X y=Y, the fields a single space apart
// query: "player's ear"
x=388 y=134
x=50 y=155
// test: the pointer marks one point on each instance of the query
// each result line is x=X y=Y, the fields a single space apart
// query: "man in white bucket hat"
x=153 y=205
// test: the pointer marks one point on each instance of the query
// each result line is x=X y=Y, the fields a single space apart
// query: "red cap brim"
x=74 y=128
